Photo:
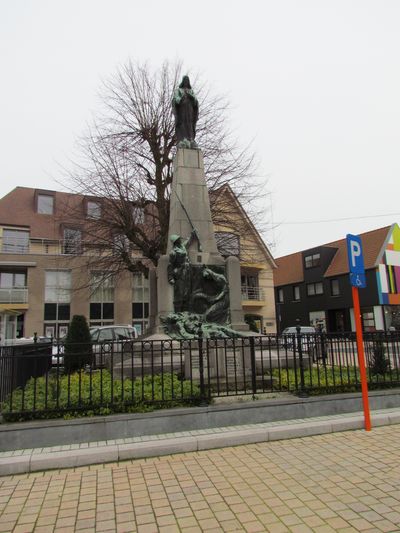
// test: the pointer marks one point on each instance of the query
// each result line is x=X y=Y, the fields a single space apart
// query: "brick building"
x=45 y=275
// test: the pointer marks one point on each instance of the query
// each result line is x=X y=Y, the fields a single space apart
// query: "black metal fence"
x=131 y=375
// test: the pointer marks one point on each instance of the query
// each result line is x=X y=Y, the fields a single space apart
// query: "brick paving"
x=343 y=482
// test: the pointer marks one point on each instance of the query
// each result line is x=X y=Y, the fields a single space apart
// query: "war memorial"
x=198 y=291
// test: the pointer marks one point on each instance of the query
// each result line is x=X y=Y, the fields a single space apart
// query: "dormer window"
x=45 y=204
x=93 y=210
x=311 y=261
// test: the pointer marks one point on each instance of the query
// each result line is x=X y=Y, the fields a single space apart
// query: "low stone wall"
x=60 y=432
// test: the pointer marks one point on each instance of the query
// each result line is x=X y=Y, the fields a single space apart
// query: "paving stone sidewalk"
x=338 y=482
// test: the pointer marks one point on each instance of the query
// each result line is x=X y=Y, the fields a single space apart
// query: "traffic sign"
x=356 y=261
x=357 y=280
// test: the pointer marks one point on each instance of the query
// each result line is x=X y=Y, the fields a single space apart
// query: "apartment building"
x=46 y=277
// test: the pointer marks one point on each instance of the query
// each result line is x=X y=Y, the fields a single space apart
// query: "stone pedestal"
x=190 y=200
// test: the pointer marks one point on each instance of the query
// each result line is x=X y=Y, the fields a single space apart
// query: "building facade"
x=312 y=287
x=46 y=278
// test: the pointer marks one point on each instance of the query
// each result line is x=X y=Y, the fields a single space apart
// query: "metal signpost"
x=358 y=281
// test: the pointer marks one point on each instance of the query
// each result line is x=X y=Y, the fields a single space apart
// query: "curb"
x=37 y=460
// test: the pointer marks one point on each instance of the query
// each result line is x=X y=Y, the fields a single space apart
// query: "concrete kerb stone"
x=394 y=418
x=348 y=423
x=139 y=450
x=73 y=458
x=305 y=429
x=232 y=438
x=35 y=460
x=19 y=464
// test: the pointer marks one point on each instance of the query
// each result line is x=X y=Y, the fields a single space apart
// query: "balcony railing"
x=14 y=295
x=252 y=293
x=50 y=247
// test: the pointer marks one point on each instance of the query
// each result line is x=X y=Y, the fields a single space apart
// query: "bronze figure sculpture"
x=185 y=107
x=179 y=274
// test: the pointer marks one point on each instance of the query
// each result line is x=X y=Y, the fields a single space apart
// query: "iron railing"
x=252 y=293
x=14 y=295
x=16 y=245
x=130 y=374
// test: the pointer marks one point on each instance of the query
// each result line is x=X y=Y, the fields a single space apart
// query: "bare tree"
x=127 y=161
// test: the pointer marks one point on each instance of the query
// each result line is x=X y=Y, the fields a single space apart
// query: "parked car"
x=105 y=340
x=289 y=335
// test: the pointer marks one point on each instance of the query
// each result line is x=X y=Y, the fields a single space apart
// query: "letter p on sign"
x=356 y=261
x=355 y=251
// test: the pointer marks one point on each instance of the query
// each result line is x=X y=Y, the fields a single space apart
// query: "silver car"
x=106 y=341
x=307 y=337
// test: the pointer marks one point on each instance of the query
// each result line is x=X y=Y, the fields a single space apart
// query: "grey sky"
x=316 y=84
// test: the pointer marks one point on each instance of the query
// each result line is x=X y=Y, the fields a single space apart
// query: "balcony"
x=18 y=246
x=14 y=295
x=252 y=293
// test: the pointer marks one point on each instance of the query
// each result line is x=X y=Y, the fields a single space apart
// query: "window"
x=368 y=319
x=13 y=287
x=121 y=243
x=138 y=214
x=335 y=288
x=93 y=210
x=101 y=300
x=140 y=301
x=45 y=204
x=57 y=286
x=10 y=280
x=250 y=288
x=296 y=293
x=72 y=241
x=280 y=296
x=312 y=260
x=315 y=288
x=227 y=243
x=318 y=320
x=57 y=297
x=15 y=241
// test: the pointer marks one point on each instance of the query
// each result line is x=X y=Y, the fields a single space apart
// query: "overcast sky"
x=316 y=84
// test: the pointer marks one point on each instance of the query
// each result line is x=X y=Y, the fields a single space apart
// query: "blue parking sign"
x=356 y=261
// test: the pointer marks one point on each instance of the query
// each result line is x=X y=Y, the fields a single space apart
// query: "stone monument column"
x=190 y=209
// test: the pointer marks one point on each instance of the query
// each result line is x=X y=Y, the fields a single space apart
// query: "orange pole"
x=361 y=359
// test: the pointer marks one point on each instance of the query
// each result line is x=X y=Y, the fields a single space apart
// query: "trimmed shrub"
x=78 y=345
x=379 y=364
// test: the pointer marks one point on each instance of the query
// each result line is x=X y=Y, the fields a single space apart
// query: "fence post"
x=302 y=393
x=253 y=367
x=203 y=401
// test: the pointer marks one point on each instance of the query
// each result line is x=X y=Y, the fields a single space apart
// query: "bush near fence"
x=90 y=394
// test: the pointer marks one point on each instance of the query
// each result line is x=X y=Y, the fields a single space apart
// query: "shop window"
x=368 y=319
